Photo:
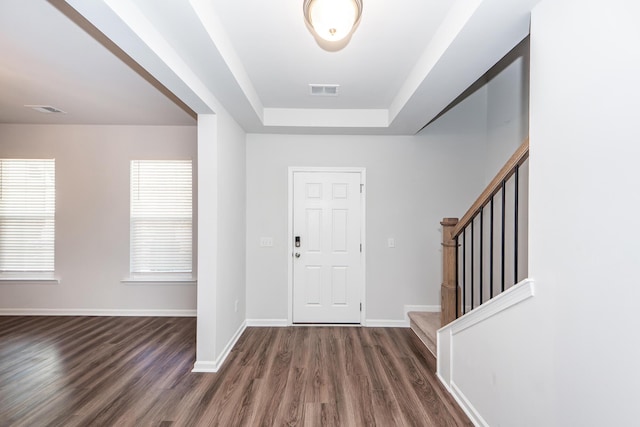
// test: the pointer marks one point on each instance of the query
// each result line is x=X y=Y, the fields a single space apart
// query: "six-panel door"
x=327 y=270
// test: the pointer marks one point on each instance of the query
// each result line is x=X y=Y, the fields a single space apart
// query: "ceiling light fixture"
x=332 y=20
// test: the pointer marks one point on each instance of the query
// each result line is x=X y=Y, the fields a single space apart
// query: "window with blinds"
x=161 y=217
x=27 y=216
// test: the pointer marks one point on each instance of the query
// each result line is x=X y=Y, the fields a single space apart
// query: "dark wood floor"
x=125 y=371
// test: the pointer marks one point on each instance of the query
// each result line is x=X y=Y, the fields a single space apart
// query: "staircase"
x=425 y=326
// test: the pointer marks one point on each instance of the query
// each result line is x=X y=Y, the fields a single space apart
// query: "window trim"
x=166 y=279
x=28 y=279
x=162 y=277
x=36 y=276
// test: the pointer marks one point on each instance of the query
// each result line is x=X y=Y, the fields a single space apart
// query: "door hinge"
x=360 y=247
x=361 y=187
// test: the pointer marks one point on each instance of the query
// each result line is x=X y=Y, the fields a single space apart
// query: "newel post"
x=448 y=289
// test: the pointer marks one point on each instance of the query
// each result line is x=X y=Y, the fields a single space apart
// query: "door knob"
x=297 y=255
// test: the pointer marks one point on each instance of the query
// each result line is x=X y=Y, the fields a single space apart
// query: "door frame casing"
x=363 y=256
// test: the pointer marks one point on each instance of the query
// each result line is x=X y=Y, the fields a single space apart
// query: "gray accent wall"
x=92 y=218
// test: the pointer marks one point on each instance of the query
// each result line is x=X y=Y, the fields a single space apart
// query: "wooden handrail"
x=494 y=186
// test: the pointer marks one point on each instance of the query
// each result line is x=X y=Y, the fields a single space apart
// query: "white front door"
x=327 y=265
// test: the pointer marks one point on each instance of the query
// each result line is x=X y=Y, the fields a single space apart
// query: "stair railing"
x=478 y=248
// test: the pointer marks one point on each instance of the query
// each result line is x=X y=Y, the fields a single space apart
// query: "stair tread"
x=426 y=325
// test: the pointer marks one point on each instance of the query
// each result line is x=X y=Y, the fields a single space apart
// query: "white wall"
x=92 y=217
x=568 y=356
x=221 y=250
x=231 y=255
x=206 y=355
x=412 y=183
x=507 y=108
x=500 y=368
x=585 y=64
x=507 y=128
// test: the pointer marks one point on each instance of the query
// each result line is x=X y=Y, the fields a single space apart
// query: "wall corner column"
x=207 y=243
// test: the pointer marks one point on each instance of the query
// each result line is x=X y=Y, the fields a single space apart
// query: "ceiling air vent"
x=45 y=109
x=324 y=90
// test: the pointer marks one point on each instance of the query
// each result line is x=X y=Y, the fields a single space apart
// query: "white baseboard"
x=211 y=367
x=232 y=342
x=370 y=323
x=467 y=407
x=383 y=323
x=205 y=366
x=263 y=323
x=444 y=382
x=94 y=312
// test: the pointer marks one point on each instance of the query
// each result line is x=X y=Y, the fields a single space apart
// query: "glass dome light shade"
x=332 y=20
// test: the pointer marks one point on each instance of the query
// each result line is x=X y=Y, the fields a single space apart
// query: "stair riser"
x=426 y=340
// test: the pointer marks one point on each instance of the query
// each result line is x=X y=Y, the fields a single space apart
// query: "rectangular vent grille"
x=324 y=90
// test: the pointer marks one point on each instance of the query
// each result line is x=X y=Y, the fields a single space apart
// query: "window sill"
x=159 y=280
x=28 y=279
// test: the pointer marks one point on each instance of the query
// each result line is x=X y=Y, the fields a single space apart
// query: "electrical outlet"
x=266 y=242
x=236 y=306
x=391 y=242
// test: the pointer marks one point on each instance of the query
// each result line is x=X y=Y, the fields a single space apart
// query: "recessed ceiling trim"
x=326 y=118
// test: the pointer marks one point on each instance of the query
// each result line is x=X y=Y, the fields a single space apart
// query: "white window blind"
x=27 y=215
x=161 y=216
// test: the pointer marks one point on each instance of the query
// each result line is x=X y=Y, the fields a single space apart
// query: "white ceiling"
x=282 y=58
x=47 y=59
x=407 y=60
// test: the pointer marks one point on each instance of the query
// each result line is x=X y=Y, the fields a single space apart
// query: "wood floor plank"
x=334 y=357
x=276 y=379
x=412 y=409
x=101 y=371
x=291 y=409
